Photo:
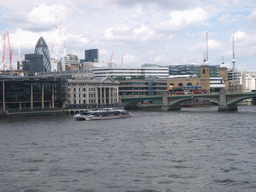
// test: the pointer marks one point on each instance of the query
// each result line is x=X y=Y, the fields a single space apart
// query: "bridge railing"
x=170 y=94
x=139 y=96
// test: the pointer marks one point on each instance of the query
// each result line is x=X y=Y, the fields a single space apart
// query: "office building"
x=191 y=69
x=33 y=63
x=142 y=87
x=92 y=55
x=18 y=93
x=130 y=73
x=100 y=92
x=42 y=49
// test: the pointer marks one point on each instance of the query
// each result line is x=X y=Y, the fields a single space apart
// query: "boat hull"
x=103 y=115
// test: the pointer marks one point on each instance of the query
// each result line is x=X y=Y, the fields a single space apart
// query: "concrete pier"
x=223 y=103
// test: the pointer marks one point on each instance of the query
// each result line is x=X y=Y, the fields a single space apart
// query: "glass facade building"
x=36 y=63
x=192 y=70
x=92 y=55
x=42 y=48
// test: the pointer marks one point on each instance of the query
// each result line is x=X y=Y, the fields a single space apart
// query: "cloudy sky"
x=163 y=32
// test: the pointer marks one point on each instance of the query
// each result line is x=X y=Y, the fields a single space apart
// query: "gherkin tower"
x=42 y=48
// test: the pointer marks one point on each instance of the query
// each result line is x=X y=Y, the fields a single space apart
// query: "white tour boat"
x=105 y=113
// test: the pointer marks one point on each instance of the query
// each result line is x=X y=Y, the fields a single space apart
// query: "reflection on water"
x=196 y=149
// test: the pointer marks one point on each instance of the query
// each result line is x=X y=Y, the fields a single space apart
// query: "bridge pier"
x=223 y=103
x=227 y=108
x=165 y=106
x=254 y=101
x=175 y=108
x=171 y=108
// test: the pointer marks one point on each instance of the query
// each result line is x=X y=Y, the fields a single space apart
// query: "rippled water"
x=195 y=149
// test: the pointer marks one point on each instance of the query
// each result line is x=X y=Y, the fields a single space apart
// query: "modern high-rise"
x=35 y=63
x=92 y=55
x=42 y=48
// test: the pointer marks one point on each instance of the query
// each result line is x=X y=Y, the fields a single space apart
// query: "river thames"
x=195 y=149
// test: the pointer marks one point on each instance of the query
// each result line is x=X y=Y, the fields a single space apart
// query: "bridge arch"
x=237 y=100
x=141 y=99
x=181 y=100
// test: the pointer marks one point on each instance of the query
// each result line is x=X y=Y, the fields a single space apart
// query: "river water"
x=195 y=149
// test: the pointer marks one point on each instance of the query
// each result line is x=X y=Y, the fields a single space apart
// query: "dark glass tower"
x=92 y=55
x=42 y=48
x=35 y=64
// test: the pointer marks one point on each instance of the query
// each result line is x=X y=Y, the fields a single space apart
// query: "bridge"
x=225 y=101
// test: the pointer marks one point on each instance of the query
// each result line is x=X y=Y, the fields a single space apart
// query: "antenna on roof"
x=204 y=58
x=233 y=60
x=206 y=46
x=222 y=60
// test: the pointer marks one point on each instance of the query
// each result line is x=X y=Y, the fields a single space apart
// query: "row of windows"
x=83 y=95
x=181 y=84
x=83 y=89
x=83 y=84
x=91 y=101
x=90 y=95
x=141 y=83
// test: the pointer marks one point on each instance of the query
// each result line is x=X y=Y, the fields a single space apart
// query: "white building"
x=90 y=65
x=113 y=72
x=93 y=92
x=216 y=83
x=234 y=76
x=249 y=81
x=129 y=72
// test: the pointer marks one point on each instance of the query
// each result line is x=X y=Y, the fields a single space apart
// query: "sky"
x=162 y=32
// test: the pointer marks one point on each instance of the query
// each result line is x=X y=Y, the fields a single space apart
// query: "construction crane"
x=3 y=58
x=10 y=50
x=122 y=59
x=56 y=50
x=111 y=58
x=63 y=57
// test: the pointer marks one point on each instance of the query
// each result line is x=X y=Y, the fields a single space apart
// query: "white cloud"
x=41 y=18
x=183 y=20
x=213 y=44
x=230 y=18
x=47 y=14
x=139 y=33
x=145 y=31
x=252 y=16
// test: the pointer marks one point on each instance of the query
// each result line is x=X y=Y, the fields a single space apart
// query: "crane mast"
x=122 y=59
x=3 y=58
x=10 y=50
x=111 y=58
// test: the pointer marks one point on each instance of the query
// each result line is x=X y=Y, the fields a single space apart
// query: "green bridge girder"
x=154 y=99
x=177 y=99
x=239 y=97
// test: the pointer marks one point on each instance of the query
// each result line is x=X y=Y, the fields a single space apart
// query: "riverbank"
x=39 y=112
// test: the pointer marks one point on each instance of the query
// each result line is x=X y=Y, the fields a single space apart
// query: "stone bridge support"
x=223 y=102
x=254 y=101
x=165 y=106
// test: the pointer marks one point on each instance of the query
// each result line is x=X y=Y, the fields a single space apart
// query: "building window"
x=203 y=71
